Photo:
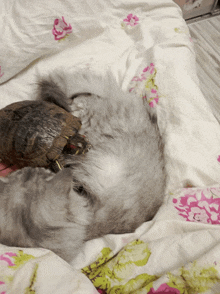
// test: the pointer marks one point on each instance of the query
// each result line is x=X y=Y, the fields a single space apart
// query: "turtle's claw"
x=56 y=166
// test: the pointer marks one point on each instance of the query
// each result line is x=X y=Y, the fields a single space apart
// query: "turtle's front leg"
x=75 y=145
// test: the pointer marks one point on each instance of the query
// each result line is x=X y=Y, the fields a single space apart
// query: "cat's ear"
x=62 y=181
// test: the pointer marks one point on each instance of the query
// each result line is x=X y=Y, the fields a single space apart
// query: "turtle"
x=39 y=134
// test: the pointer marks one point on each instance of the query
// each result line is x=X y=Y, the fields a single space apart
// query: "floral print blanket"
x=145 y=46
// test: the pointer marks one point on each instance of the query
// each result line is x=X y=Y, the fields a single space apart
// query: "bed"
x=146 y=46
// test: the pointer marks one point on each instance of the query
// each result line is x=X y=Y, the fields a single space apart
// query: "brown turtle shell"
x=34 y=133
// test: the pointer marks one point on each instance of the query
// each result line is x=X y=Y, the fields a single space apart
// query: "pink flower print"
x=198 y=215
x=1 y=74
x=154 y=98
x=61 y=29
x=144 y=85
x=218 y=158
x=164 y=288
x=214 y=192
x=131 y=20
x=101 y=291
x=2 y=287
x=139 y=79
x=149 y=69
x=6 y=258
x=200 y=206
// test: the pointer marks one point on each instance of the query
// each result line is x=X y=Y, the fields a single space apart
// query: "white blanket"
x=146 y=47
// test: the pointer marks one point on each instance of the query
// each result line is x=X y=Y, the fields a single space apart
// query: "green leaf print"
x=102 y=282
x=145 y=289
x=112 y=273
x=136 y=285
x=94 y=269
x=20 y=259
x=30 y=288
x=150 y=83
x=194 y=279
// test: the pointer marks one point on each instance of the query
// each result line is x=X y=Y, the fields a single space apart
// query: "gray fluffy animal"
x=113 y=189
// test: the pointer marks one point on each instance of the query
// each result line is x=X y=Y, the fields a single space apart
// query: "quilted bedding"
x=146 y=46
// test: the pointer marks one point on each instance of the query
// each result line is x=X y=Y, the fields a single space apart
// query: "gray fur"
x=114 y=188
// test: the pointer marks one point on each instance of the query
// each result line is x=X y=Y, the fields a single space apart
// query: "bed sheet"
x=145 y=46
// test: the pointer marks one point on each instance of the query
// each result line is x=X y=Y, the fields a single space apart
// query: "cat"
x=114 y=188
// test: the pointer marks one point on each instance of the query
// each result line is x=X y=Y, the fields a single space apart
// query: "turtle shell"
x=34 y=133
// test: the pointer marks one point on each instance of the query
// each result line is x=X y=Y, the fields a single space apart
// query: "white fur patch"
x=110 y=172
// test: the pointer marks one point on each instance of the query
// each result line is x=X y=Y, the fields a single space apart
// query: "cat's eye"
x=80 y=190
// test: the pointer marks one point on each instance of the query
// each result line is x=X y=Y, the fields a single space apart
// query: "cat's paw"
x=78 y=105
